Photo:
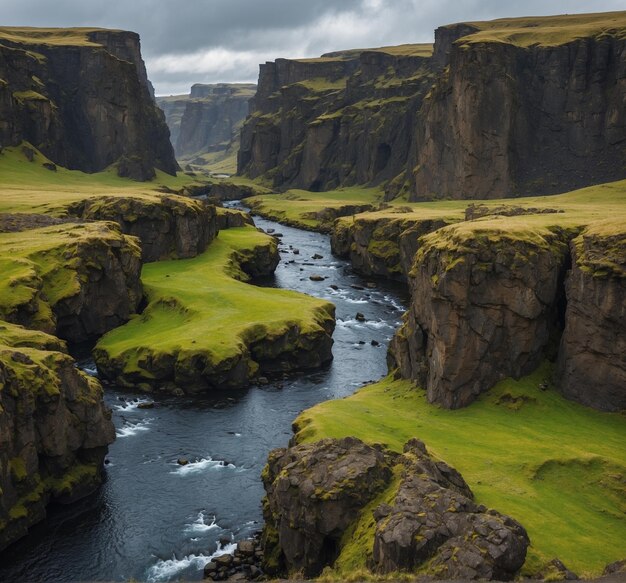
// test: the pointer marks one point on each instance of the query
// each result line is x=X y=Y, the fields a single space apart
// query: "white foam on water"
x=131 y=429
x=166 y=570
x=130 y=405
x=201 y=465
x=200 y=526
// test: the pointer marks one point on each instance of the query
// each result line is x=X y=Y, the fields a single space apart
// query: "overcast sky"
x=208 y=41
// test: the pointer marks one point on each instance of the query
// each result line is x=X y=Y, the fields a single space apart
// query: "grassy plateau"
x=556 y=466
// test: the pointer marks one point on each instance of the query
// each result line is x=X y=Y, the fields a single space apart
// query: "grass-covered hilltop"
x=485 y=172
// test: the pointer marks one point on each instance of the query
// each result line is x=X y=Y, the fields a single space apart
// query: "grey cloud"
x=188 y=41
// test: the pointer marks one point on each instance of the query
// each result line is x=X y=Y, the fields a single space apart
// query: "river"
x=154 y=520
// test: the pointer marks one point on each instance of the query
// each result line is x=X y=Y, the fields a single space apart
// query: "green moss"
x=23 y=96
x=76 y=476
x=18 y=469
x=556 y=466
x=189 y=297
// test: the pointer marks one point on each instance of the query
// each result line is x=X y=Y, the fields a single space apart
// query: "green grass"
x=297 y=207
x=202 y=306
x=556 y=466
x=50 y=36
x=42 y=266
x=548 y=30
x=30 y=187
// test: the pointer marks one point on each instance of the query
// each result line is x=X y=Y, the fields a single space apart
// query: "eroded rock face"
x=434 y=518
x=54 y=429
x=482 y=310
x=383 y=247
x=85 y=105
x=168 y=226
x=506 y=120
x=84 y=284
x=338 y=120
x=316 y=491
x=592 y=356
x=231 y=218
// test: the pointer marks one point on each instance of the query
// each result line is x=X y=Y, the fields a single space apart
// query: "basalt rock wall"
x=84 y=101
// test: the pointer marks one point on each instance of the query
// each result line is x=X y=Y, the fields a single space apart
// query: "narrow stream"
x=154 y=520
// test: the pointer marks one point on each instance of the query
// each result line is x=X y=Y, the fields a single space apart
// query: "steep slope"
x=503 y=108
x=524 y=106
x=337 y=120
x=83 y=98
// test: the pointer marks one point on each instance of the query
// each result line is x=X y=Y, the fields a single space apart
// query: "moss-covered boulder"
x=75 y=280
x=54 y=429
x=167 y=226
x=205 y=328
x=228 y=218
x=406 y=512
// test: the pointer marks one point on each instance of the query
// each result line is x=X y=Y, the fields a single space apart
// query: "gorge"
x=413 y=345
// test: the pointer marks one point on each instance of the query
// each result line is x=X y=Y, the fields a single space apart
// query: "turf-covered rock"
x=76 y=280
x=54 y=429
x=167 y=226
x=433 y=517
x=485 y=305
x=318 y=492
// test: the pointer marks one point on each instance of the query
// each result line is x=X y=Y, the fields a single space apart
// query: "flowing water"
x=154 y=520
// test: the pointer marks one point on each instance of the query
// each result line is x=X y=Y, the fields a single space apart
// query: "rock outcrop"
x=592 y=356
x=382 y=244
x=485 y=307
x=82 y=97
x=54 y=429
x=74 y=280
x=167 y=226
x=337 y=120
x=315 y=492
x=230 y=218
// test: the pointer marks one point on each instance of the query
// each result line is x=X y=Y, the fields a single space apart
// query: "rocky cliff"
x=74 y=280
x=407 y=511
x=54 y=429
x=337 y=120
x=524 y=106
x=167 y=226
x=83 y=98
x=208 y=119
x=502 y=108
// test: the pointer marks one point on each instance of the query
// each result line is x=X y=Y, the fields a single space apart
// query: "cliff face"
x=82 y=97
x=54 y=429
x=503 y=108
x=337 y=120
x=508 y=118
x=208 y=119
x=592 y=357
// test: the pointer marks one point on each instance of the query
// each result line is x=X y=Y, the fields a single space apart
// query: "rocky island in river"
x=483 y=175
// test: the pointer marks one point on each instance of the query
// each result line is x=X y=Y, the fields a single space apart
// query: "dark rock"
x=223 y=560
x=616 y=567
x=316 y=497
x=360 y=317
x=50 y=166
x=210 y=567
x=317 y=256
x=375 y=343
x=334 y=287
x=555 y=570
x=182 y=461
x=315 y=491
x=75 y=119
x=246 y=547
x=148 y=405
x=316 y=278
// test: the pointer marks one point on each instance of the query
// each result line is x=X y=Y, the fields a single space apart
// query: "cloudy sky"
x=207 y=41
